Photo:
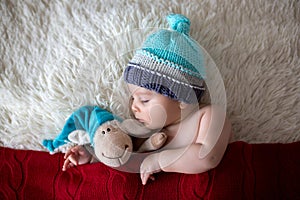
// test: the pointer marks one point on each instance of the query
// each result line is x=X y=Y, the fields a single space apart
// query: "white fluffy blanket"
x=59 y=55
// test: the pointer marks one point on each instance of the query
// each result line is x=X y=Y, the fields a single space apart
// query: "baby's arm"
x=199 y=157
x=207 y=152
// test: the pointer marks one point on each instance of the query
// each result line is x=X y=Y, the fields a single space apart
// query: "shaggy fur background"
x=59 y=55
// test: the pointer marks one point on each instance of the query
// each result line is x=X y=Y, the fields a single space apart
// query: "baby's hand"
x=77 y=155
x=149 y=166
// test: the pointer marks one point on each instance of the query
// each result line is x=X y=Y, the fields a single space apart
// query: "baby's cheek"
x=158 y=116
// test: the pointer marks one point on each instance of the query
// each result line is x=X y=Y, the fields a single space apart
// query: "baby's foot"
x=158 y=140
x=154 y=142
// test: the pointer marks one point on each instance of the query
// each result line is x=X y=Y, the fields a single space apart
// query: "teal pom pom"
x=49 y=145
x=179 y=23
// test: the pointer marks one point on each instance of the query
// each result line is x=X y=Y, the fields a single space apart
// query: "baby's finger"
x=73 y=150
x=73 y=159
x=70 y=165
x=152 y=178
x=144 y=178
x=67 y=154
x=66 y=163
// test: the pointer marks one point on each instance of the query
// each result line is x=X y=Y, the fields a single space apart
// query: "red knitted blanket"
x=247 y=171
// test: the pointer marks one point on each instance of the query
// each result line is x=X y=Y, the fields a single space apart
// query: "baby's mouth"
x=141 y=120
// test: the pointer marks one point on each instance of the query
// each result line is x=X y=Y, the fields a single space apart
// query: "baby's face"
x=154 y=110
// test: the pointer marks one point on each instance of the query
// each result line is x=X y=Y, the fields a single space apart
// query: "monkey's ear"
x=79 y=137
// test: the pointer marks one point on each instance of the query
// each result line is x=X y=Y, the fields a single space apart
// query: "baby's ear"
x=135 y=128
x=182 y=105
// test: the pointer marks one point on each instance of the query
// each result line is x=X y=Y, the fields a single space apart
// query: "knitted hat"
x=169 y=62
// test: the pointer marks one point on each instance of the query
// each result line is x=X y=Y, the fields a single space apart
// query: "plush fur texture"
x=59 y=55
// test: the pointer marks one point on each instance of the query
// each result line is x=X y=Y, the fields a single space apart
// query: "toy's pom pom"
x=179 y=23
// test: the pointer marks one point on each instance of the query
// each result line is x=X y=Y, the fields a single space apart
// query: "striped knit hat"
x=169 y=62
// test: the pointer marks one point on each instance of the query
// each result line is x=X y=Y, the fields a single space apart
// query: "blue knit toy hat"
x=170 y=62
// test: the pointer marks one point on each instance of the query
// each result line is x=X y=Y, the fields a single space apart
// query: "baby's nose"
x=134 y=108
